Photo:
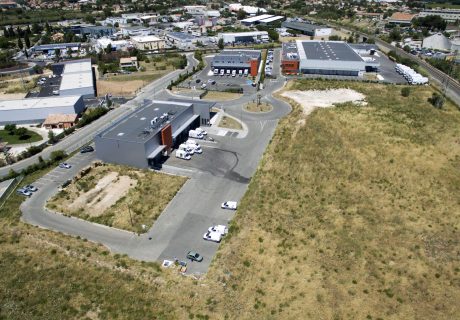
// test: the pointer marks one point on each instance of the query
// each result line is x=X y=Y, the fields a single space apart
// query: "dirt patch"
x=126 y=88
x=108 y=190
x=254 y=107
x=312 y=99
x=117 y=196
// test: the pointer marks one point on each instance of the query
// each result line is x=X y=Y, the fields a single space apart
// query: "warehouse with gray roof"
x=145 y=137
x=326 y=58
x=308 y=29
x=36 y=110
x=77 y=79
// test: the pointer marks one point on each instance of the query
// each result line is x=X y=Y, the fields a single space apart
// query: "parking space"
x=387 y=69
x=220 y=81
x=49 y=85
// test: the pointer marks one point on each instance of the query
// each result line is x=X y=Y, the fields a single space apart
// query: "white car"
x=212 y=236
x=199 y=130
x=65 y=165
x=231 y=205
x=219 y=229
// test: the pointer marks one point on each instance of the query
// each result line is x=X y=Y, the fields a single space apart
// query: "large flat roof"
x=257 y=18
x=235 y=58
x=136 y=126
x=271 y=19
x=35 y=103
x=54 y=46
x=145 y=39
x=302 y=26
x=326 y=51
x=77 y=74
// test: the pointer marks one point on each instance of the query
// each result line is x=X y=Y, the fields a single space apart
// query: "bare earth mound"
x=312 y=99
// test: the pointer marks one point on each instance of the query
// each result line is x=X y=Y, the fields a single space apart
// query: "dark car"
x=198 y=80
x=86 y=149
x=194 y=256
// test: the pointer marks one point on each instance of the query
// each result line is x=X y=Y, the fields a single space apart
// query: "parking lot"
x=49 y=86
x=387 y=69
x=206 y=76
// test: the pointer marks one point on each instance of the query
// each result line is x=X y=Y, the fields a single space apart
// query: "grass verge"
x=28 y=137
x=262 y=107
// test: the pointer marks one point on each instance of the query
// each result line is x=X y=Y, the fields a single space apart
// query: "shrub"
x=436 y=100
x=57 y=155
x=405 y=92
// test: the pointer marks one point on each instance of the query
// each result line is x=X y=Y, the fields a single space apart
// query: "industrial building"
x=77 y=78
x=261 y=19
x=36 y=110
x=148 y=43
x=145 y=137
x=239 y=60
x=308 y=29
x=182 y=40
x=450 y=15
x=244 y=37
x=52 y=47
x=324 y=58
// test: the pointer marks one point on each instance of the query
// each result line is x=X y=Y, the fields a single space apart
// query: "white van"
x=233 y=73
x=240 y=73
x=222 y=71
x=194 y=146
x=228 y=72
x=216 y=72
x=245 y=72
x=195 y=134
x=186 y=148
x=181 y=154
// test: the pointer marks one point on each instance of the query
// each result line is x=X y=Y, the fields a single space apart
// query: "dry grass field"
x=353 y=213
x=109 y=193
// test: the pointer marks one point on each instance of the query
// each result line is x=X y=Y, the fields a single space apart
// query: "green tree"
x=10 y=128
x=220 y=43
x=20 y=44
x=23 y=133
x=436 y=100
x=273 y=35
x=108 y=49
x=27 y=40
x=51 y=137
x=241 y=14
x=36 y=28
x=57 y=155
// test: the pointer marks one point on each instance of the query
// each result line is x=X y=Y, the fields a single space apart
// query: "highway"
x=87 y=133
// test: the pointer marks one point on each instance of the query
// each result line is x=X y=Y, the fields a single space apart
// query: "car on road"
x=210 y=81
x=198 y=80
x=24 y=192
x=30 y=188
x=230 y=205
x=212 y=236
x=221 y=229
x=203 y=86
x=194 y=256
x=86 y=149
x=65 y=165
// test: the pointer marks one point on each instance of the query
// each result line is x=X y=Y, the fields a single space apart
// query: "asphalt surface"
x=221 y=173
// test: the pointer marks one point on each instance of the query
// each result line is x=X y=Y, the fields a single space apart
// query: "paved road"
x=86 y=134
x=221 y=173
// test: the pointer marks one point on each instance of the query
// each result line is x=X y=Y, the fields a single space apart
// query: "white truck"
x=233 y=73
x=203 y=132
x=230 y=205
x=181 y=154
x=212 y=236
x=195 y=134
x=187 y=148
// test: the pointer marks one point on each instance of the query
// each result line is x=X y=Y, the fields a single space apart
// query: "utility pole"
x=130 y=216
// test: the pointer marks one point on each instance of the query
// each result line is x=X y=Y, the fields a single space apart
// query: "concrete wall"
x=121 y=152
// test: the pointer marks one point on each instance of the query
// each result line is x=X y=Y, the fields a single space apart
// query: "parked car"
x=30 y=188
x=194 y=256
x=86 y=149
x=65 y=165
x=231 y=205
x=202 y=131
x=221 y=229
x=181 y=154
x=212 y=236
x=198 y=80
x=24 y=192
x=203 y=86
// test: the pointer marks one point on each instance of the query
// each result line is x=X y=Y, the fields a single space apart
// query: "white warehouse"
x=252 y=36
x=77 y=79
x=36 y=110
